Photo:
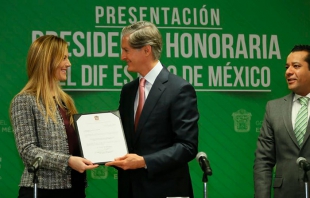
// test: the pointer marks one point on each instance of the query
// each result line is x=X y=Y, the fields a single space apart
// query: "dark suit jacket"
x=277 y=146
x=166 y=136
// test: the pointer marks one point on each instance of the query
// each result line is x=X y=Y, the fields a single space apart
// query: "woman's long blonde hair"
x=44 y=56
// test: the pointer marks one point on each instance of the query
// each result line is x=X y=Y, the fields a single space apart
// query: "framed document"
x=101 y=136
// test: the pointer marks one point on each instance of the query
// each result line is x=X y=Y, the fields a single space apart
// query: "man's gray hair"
x=144 y=33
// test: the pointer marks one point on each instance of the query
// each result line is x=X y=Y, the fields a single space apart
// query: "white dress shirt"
x=149 y=81
x=296 y=107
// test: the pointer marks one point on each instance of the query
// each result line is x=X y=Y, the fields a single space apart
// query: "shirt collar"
x=152 y=75
x=296 y=96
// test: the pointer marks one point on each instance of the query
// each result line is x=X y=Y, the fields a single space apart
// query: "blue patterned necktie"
x=301 y=121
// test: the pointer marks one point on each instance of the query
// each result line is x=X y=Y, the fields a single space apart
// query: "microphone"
x=35 y=165
x=204 y=163
x=303 y=163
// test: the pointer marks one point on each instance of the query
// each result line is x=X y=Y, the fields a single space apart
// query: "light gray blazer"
x=34 y=136
x=277 y=146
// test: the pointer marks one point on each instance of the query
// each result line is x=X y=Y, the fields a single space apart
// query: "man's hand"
x=129 y=161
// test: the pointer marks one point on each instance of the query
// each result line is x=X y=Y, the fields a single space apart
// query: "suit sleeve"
x=24 y=127
x=183 y=123
x=264 y=158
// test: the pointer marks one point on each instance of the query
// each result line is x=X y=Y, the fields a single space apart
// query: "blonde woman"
x=41 y=116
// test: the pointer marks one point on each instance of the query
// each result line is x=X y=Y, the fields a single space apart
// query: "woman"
x=41 y=115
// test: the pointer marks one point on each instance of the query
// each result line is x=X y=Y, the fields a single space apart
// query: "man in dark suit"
x=165 y=138
x=280 y=144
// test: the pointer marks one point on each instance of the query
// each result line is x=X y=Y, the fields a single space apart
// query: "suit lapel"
x=306 y=137
x=287 y=116
x=307 y=134
x=130 y=114
x=156 y=92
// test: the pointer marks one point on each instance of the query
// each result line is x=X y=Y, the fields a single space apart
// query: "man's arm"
x=265 y=159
